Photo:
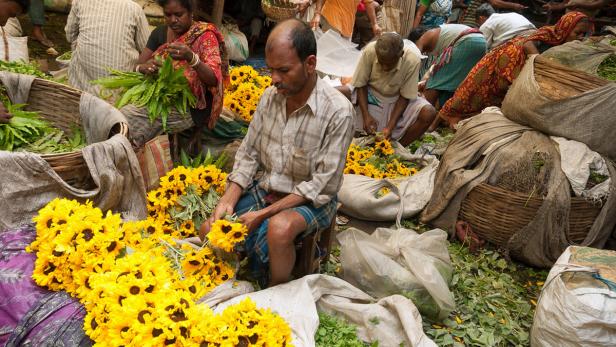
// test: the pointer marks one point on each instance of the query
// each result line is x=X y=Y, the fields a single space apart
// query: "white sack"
x=574 y=308
x=392 y=261
x=407 y=196
x=576 y=161
x=235 y=41
x=298 y=301
x=17 y=47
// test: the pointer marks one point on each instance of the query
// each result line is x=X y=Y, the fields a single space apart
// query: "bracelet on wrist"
x=137 y=68
x=195 y=60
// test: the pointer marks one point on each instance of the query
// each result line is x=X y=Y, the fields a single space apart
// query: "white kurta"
x=104 y=34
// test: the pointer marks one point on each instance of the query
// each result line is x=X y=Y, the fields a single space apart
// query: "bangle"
x=195 y=61
x=137 y=68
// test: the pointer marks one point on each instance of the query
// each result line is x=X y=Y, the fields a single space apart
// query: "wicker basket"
x=59 y=105
x=495 y=214
x=278 y=10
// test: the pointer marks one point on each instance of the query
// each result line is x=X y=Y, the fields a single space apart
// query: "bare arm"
x=420 y=12
x=588 y=5
x=399 y=108
x=506 y=5
x=371 y=13
x=530 y=48
x=316 y=19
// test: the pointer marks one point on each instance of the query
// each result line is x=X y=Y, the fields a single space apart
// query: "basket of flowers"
x=244 y=91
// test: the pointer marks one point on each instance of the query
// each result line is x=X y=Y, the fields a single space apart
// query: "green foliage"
x=159 y=94
x=22 y=68
x=24 y=128
x=203 y=160
x=335 y=332
x=55 y=141
x=494 y=301
x=607 y=69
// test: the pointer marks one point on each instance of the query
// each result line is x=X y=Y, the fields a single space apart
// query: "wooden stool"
x=308 y=260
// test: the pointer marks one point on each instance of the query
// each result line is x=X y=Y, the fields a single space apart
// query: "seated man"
x=298 y=138
x=499 y=28
x=385 y=91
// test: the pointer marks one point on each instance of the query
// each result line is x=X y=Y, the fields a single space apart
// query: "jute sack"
x=561 y=101
x=584 y=55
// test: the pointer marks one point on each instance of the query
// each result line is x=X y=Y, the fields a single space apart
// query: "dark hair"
x=417 y=33
x=484 y=10
x=25 y=4
x=303 y=40
x=187 y=4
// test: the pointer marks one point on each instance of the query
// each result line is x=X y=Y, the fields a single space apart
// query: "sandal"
x=44 y=41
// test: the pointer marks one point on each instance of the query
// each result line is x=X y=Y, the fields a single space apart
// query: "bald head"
x=293 y=34
x=389 y=46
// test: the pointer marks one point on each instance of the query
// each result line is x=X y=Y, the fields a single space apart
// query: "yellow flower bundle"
x=243 y=94
x=133 y=293
x=185 y=198
x=376 y=161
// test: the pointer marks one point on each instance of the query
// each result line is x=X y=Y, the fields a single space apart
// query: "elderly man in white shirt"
x=499 y=28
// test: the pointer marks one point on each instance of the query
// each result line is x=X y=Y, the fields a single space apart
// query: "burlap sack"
x=564 y=104
x=584 y=55
x=489 y=145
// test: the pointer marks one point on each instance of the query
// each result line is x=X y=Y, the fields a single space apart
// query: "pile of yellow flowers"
x=376 y=161
x=243 y=94
x=185 y=198
x=134 y=292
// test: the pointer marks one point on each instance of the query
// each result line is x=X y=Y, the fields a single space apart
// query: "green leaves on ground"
x=335 y=332
x=159 y=94
x=495 y=301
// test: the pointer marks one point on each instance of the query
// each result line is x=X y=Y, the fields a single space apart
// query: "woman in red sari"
x=488 y=82
x=197 y=47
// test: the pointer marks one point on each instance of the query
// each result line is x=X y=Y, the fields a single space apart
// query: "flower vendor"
x=385 y=91
x=298 y=138
x=198 y=47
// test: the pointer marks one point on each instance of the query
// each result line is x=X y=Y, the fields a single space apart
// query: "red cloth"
x=207 y=42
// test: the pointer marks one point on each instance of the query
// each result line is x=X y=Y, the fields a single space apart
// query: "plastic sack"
x=407 y=196
x=577 y=306
x=400 y=261
x=298 y=303
x=336 y=56
x=235 y=41
x=13 y=48
x=584 y=55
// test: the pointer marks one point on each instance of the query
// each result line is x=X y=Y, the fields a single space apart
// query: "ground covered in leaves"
x=495 y=301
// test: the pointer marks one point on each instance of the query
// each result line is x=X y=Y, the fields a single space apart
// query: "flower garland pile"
x=133 y=292
x=243 y=94
x=376 y=161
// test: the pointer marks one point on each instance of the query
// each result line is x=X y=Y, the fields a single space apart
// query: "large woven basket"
x=495 y=214
x=59 y=105
x=278 y=10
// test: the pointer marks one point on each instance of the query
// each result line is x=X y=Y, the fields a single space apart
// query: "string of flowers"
x=134 y=294
x=243 y=93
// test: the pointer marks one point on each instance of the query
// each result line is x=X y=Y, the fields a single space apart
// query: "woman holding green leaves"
x=198 y=48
